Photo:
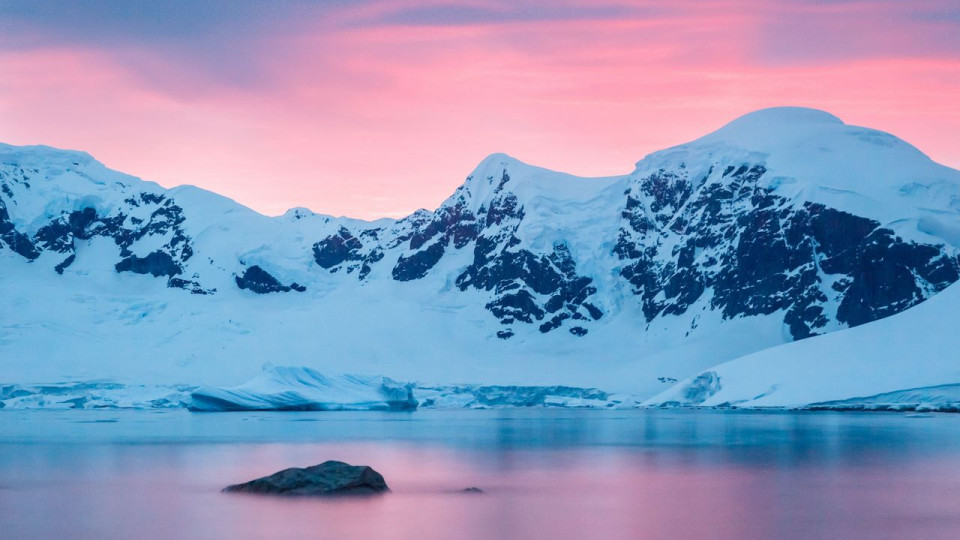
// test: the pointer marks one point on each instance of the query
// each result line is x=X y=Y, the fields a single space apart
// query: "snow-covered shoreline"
x=303 y=389
x=373 y=397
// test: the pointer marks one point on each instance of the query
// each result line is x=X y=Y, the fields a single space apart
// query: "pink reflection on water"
x=553 y=494
x=172 y=491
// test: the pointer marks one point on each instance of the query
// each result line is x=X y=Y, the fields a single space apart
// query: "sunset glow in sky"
x=377 y=108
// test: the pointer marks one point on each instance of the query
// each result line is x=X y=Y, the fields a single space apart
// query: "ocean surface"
x=637 y=474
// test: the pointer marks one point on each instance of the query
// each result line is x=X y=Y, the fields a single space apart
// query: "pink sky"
x=374 y=109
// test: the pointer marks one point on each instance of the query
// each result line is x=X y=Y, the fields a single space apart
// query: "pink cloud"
x=385 y=118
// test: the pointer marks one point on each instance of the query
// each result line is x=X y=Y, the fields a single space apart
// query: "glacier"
x=93 y=395
x=500 y=396
x=297 y=388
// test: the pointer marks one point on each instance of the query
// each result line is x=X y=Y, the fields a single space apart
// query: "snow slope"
x=905 y=361
x=785 y=223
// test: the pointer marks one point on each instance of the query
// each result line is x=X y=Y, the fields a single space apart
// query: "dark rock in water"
x=472 y=490
x=328 y=478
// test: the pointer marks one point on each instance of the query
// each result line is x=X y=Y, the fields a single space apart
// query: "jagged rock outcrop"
x=758 y=253
x=260 y=281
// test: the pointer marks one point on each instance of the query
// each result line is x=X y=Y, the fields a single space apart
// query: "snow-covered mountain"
x=783 y=224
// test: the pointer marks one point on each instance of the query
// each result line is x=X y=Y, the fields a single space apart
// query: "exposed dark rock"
x=760 y=254
x=157 y=263
x=344 y=250
x=65 y=263
x=335 y=249
x=189 y=285
x=555 y=322
x=454 y=224
x=327 y=479
x=260 y=281
x=417 y=265
x=60 y=234
x=518 y=306
x=17 y=241
x=451 y=225
x=502 y=209
x=472 y=490
x=517 y=275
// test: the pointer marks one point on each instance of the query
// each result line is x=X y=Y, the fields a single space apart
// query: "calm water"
x=546 y=474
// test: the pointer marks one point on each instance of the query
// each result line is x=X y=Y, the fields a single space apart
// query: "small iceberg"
x=304 y=389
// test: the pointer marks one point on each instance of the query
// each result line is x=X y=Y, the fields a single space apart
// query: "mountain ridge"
x=646 y=273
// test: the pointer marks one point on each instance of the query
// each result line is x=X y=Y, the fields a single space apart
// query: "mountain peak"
x=494 y=165
x=776 y=126
x=795 y=134
x=489 y=176
x=34 y=155
x=775 y=116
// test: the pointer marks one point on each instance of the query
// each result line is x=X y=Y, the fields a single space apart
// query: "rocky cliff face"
x=786 y=214
x=724 y=239
x=750 y=252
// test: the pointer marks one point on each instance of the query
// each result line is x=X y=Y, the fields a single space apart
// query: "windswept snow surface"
x=907 y=361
